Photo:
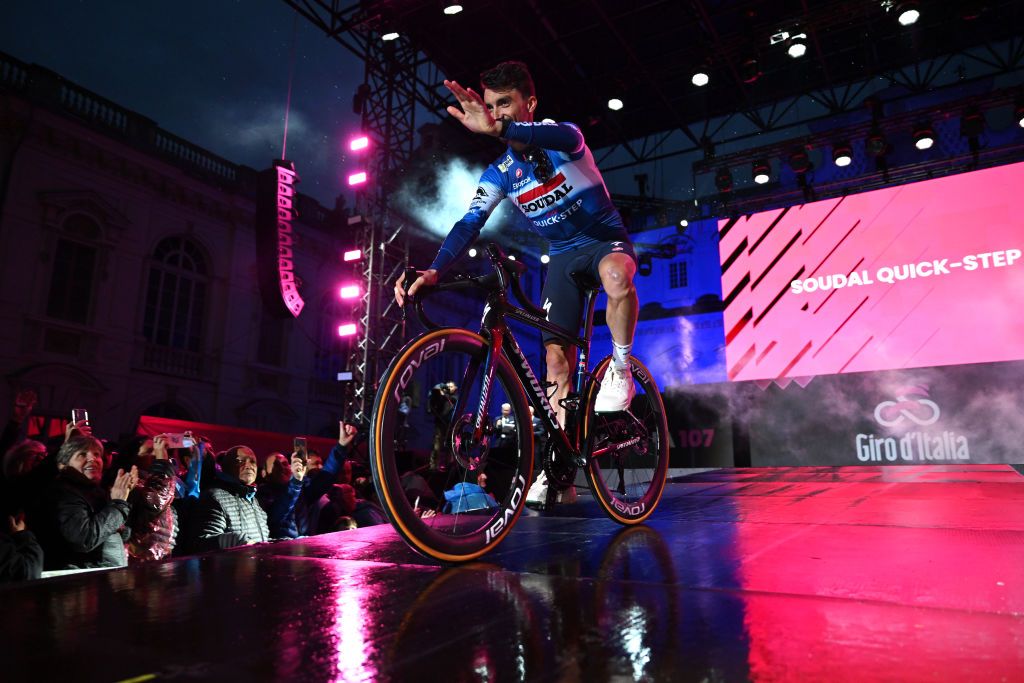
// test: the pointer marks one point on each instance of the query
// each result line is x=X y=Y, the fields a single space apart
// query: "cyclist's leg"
x=616 y=267
x=560 y=360
x=617 y=270
x=563 y=302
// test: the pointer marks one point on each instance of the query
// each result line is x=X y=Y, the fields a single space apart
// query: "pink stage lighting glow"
x=352 y=255
x=357 y=178
x=826 y=288
x=361 y=142
x=346 y=330
x=350 y=292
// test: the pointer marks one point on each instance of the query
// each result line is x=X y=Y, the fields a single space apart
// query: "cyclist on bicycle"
x=550 y=174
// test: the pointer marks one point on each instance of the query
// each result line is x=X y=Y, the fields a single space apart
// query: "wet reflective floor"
x=789 y=574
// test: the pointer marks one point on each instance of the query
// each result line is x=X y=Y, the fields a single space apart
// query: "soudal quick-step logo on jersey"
x=545 y=196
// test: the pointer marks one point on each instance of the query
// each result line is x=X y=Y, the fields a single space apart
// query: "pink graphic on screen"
x=956 y=241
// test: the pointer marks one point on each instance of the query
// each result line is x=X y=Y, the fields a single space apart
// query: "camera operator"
x=441 y=404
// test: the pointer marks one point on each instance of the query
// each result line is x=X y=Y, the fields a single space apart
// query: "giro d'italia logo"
x=909 y=418
x=912 y=407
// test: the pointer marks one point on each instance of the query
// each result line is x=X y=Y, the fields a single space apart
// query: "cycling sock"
x=620 y=355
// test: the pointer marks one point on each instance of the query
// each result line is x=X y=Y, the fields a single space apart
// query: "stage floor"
x=787 y=574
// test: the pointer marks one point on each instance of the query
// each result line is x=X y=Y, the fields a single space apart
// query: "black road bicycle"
x=624 y=454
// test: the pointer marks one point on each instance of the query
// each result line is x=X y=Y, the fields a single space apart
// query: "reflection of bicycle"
x=525 y=625
x=625 y=453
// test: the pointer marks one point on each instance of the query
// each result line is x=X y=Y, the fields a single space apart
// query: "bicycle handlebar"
x=505 y=276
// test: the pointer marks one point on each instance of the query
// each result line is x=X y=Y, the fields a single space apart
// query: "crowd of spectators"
x=82 y=503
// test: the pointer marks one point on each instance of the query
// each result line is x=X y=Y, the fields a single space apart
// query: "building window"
x=74 y=271
x=176 y=295
x=677 y=275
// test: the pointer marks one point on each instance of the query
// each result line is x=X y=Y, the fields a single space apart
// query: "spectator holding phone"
x=317 y=483
x=228 y=514
x=153 y=520
x=280 y=492
x=83 y=524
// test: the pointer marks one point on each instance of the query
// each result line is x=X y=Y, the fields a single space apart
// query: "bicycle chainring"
x=560 y=470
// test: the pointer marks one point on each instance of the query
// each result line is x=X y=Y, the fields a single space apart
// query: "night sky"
x=214 y=72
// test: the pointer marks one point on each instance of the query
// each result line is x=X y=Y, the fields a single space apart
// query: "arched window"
x=176 y=295
x=74 y=270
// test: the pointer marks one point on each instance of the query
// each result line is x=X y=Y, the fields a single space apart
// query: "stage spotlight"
x=544 y=258
x=472 y=252
x=349 y=292
x=1018 y=113
x=797 y=46
x=762 y=171
x=700 y=77
x=924 y=136
x=511 y=257
x=683 y=223
x=357 y=178
x=799 y=161
x=452 y=8
x=346 y=330
x=389 y=36
x=723 y=180
x=907 y=13
x=842 y=154
x=352 y=255
x=361 y=142
x=615 y=104
x=876 y=144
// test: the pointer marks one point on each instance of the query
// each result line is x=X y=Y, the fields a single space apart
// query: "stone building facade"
x=129 y=284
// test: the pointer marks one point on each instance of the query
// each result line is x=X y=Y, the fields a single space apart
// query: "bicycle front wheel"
x=450 y=497
x=628 y=451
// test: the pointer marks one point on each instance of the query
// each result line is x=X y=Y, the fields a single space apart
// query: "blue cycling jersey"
x=571 y=208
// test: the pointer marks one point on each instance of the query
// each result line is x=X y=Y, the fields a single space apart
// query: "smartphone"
x=299 y=447
x=175 y=440
x=78 y=415
x=187 y=441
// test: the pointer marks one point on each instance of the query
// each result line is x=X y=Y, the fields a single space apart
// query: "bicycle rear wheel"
x=628 y=451
x=426 y=467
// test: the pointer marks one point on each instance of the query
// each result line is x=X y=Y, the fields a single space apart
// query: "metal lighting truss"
x=397 y=79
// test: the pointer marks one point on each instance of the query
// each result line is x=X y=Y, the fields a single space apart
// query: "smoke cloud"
x=441 y=194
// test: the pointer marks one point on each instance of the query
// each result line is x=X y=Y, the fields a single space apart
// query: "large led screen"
x=926 y=274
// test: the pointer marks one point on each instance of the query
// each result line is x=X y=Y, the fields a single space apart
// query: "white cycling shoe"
x=538 y=493
x=616 y=391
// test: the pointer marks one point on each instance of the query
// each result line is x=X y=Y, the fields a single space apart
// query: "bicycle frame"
x=494 y=328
